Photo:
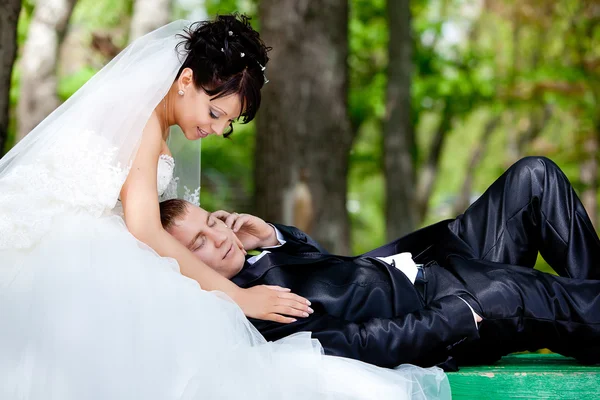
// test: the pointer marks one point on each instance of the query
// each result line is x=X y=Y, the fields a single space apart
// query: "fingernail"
x=310 y=310
x=308 y=302
x=305 y=314
x=294 y=320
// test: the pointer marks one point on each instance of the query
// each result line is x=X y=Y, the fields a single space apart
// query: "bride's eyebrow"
x=219 y=109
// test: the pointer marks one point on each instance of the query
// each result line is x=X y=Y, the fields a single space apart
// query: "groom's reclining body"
x=382 y=309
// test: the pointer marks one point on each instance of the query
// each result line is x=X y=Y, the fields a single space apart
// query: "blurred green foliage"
x=471 y=63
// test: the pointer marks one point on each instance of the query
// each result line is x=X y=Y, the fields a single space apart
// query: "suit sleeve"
x=296 y=241
x=424 y=337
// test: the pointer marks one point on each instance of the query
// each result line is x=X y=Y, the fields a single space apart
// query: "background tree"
x=9 y=16
x=303 y=122
x=398 y=131
x=491 y=82
x=149 y=15
x=38 y=91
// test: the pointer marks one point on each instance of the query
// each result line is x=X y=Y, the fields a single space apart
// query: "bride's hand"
x=272 y=303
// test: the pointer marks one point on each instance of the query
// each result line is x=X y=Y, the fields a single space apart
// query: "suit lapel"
x=252 y=272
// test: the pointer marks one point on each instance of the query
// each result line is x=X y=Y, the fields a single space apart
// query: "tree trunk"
x=588 y=173
x=429 y=171
x=9 y=17
x=537 y=123
x=38 y=96
x=464 y=196
x=148 y=15
x=398 y=133
x=303 y=127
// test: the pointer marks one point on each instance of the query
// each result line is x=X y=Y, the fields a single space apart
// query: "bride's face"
x=198 y=114
x=210 y=240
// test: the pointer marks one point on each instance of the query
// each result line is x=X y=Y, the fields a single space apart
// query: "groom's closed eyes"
x=209 y=239
x=210 y=222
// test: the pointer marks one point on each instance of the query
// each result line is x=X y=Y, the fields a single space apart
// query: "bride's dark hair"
x=227 y=57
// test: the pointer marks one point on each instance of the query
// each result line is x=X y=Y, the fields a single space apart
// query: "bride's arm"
x=142 y=216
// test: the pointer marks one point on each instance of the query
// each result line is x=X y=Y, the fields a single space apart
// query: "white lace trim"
x=192 y=197
x=170 y=191
x=168 y=185
x=78 y=174
x=164 y=178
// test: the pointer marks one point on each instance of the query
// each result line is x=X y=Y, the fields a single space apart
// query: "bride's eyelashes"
x=212 y=114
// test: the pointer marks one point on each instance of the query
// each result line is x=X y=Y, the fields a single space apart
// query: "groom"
x=468 y=295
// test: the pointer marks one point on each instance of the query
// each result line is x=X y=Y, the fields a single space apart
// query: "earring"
x=181 y=93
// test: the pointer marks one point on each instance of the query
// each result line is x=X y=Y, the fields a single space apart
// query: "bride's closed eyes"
x=215 y=116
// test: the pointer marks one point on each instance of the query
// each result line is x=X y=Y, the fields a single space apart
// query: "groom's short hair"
x=171 y=211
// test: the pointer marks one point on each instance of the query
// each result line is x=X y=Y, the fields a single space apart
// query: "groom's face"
x=210 y=240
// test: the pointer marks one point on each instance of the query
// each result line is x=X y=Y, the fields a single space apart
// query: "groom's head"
x=204 y=235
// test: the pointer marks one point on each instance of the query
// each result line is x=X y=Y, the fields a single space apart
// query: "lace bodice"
x=164 y=176
x=166 y=185
x=67 y=179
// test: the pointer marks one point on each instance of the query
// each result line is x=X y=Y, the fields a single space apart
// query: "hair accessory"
x=263 y=68
x=242 y=55
x=222 y=50
x=181 y=92
x=230 y=33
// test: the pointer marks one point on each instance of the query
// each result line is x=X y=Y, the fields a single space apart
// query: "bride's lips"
x=201 y=133
x=228 y=252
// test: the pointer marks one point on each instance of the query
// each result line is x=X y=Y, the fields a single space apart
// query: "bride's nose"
x=219 y=127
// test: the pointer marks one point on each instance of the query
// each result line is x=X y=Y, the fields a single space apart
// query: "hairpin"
x=263 y=68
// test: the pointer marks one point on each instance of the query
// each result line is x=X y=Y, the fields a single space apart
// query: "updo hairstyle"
x=227 y=57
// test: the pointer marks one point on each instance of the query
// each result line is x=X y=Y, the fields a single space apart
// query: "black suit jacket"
x=364 y=308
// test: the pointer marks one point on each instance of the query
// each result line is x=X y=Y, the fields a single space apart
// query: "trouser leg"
x=525 y=309
x=532 y=207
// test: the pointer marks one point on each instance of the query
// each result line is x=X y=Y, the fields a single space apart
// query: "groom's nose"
x=218 y=237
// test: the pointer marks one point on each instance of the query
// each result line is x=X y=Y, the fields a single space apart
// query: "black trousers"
x=491 y=249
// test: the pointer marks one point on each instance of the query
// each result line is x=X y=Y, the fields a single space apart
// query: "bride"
x=97 y=301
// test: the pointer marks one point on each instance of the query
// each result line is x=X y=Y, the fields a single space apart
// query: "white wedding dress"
x=89 y=312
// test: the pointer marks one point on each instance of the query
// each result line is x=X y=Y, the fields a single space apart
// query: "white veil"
x=186 y=182
x=78 y=157
x=120 y=305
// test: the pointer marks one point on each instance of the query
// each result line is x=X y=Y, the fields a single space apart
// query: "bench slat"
x=527 y=376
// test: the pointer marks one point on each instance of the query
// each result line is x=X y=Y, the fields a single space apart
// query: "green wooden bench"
x=527 y=376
